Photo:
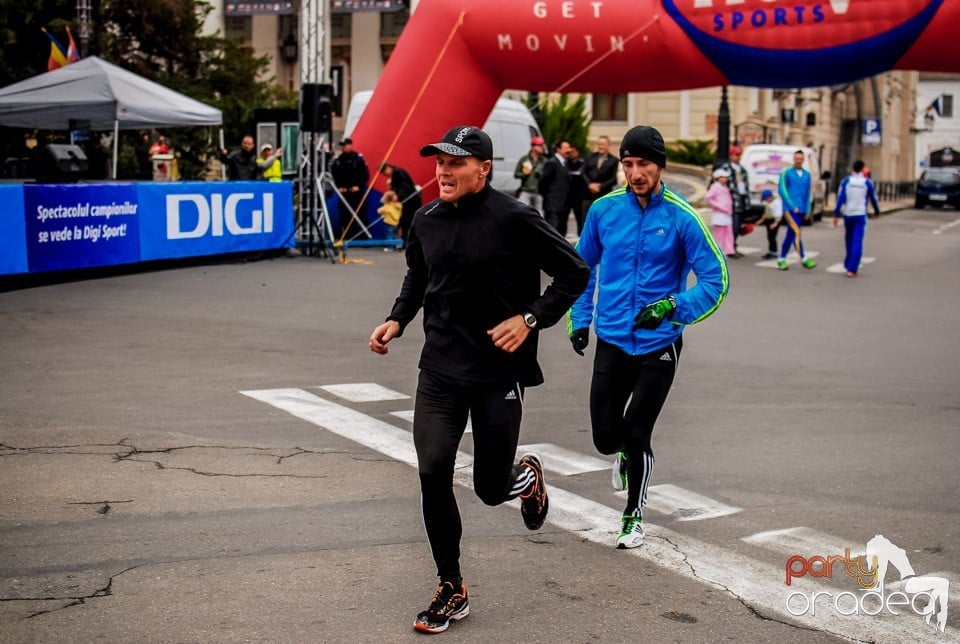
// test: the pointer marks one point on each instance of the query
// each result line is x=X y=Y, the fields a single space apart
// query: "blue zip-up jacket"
x=796 y=190
x=854 y=194
x=644 y=255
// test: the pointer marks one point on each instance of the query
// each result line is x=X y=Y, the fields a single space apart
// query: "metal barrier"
x=895 y=190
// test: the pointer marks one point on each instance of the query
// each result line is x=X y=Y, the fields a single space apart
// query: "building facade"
x=875 y=119
x=937 y=125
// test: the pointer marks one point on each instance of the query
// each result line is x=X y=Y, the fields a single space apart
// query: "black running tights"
x=626 y=396
x=440 y=417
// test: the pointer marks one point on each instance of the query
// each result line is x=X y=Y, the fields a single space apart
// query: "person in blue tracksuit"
x=640 y=242
x=795 y=190
x=855 y=191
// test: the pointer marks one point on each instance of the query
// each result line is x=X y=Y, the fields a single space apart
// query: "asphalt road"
x=146 y=498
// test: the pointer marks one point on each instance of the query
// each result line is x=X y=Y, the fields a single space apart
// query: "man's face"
x=603 y=145
x=643 y=176
x=460 y=176
x=247 y=143
x=346 y=147
x=798 y=160
x=735 y=157
x=267 y=153
x=564 y=150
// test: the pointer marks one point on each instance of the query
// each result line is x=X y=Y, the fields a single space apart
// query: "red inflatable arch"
x=454 y=59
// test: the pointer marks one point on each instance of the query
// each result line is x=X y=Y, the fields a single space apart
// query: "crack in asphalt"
x=753 y=610
x=132 y=453
x=105 y=505
x=106 y=591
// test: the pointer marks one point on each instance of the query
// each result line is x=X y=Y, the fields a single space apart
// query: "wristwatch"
x=530 y=320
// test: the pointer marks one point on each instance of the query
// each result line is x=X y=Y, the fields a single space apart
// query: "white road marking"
x=407 y=415
x=839 y=268
x=364 y=392
x=748 y=250
x=757 y=584
x=946 y=227
x=563 y=461
x=805 y=542
x=953 y=578
x=684 y=504
x=792 y=258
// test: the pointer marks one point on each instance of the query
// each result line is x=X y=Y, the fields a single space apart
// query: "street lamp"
x=288 y=49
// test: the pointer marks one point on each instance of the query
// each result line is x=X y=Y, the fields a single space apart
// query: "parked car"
x=938 y=186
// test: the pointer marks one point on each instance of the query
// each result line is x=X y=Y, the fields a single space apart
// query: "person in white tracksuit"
x=852 y=197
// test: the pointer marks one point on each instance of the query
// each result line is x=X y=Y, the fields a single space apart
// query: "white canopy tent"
x=109 y=97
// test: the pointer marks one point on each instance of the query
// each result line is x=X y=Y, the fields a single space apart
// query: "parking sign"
x=871 y=131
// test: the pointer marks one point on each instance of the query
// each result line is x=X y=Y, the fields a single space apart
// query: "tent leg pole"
x=223 y=167
x=116 y=144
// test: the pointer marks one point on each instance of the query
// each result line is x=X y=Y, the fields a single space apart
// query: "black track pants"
x=626 y=396
x=440 y=417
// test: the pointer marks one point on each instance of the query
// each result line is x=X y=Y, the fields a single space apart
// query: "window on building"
x=340 y=26
x=946 y=109
x=238 y=28
x=609 y=107
x=393 y=22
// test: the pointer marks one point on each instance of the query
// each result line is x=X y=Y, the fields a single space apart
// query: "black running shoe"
x=534 y=504
x=448 y=604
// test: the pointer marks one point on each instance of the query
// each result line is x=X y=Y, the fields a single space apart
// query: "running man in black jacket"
x=474 y=258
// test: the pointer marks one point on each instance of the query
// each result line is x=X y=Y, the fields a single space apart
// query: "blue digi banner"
x=13 y=233
x=202 y=218
x=79 y=226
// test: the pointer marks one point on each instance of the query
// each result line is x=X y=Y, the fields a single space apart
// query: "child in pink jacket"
x=721 y=201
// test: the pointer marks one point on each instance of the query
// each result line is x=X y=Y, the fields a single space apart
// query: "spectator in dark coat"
x=554 y=186
x=241 y=164
x=351 y=174
x=600 y=170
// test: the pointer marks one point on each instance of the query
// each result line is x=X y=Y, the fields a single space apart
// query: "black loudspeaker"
x=316 y=107
x=62 y=162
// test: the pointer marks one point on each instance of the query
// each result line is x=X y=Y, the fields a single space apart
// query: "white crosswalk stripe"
x=684 y=505
x=566 y=462
x=800 y=540
x=953 y=578
x=839 y=268
x=407 y=415
x=792 y=258
x=758 y=585
x=364 y=392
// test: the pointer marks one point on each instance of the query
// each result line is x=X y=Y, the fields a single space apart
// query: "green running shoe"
x=632 y=533
x=618 y=475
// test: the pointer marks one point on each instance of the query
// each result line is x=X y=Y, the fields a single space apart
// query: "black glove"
x=654 y=313
x=580 y=338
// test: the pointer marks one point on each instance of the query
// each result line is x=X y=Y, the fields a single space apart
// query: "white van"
x=510 y=126
x=764 y=163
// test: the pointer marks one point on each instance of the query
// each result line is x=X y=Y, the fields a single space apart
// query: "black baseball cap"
x=462 y=141
x=645 y=142
x=346 y=141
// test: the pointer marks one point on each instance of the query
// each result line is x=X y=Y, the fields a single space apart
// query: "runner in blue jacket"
x=645 y=240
